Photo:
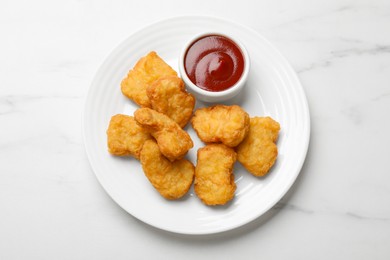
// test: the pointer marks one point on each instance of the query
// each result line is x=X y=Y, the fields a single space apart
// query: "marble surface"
x=52 y=206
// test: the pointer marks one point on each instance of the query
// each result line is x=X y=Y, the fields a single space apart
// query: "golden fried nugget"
x=214 y=179
x=167 y=95
x=258 y=152
x=172 y=140
x=220 y=123
x=171 y=179
x=125 y=136
x=145 y=72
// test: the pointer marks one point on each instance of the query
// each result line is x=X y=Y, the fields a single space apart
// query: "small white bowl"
x=214 y=96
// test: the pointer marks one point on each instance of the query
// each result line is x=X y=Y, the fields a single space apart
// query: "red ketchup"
x=214 y=63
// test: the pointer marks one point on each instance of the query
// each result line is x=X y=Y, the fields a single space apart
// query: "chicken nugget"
x=172 y=140
x=171 y=179
x=214 y=179
x=145 y=72
x=167 y=95
x=258 y=151
x=125 y=136
x=220 y=123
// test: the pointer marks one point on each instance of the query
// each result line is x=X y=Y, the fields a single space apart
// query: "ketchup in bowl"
x=214 y=63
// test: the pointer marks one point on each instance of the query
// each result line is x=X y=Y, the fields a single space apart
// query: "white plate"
x=272 y=89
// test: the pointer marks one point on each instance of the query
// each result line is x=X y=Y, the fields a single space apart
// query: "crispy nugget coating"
x=171 y=179
x=145 y=72
x=214 y=179
x=125 y=136
x=167 y=95
x=226 y=124
x=172 y=140
x=258 y=152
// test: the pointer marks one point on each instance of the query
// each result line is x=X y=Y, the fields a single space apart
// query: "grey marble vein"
x=362 y=217
x=353 y=113
x=55 y=138
x=316 y=16
x=349 y=214
x=381 y=96
x=7 y=106
x=9 y=103
x=315 y=65
x=292 y=207
x=345 y=53
x=375 y=50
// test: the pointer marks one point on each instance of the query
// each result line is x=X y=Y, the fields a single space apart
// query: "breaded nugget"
x=125 y=136
x=214 y=179
x=220 y=123
x=172 y=140
x=145 y=72
x=258 y=152
x=167 y=95
x=171 y=179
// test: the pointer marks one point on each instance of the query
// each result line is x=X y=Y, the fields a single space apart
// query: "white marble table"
x=52 y=206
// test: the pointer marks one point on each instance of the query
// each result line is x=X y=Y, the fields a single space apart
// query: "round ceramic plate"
x=272 y=89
